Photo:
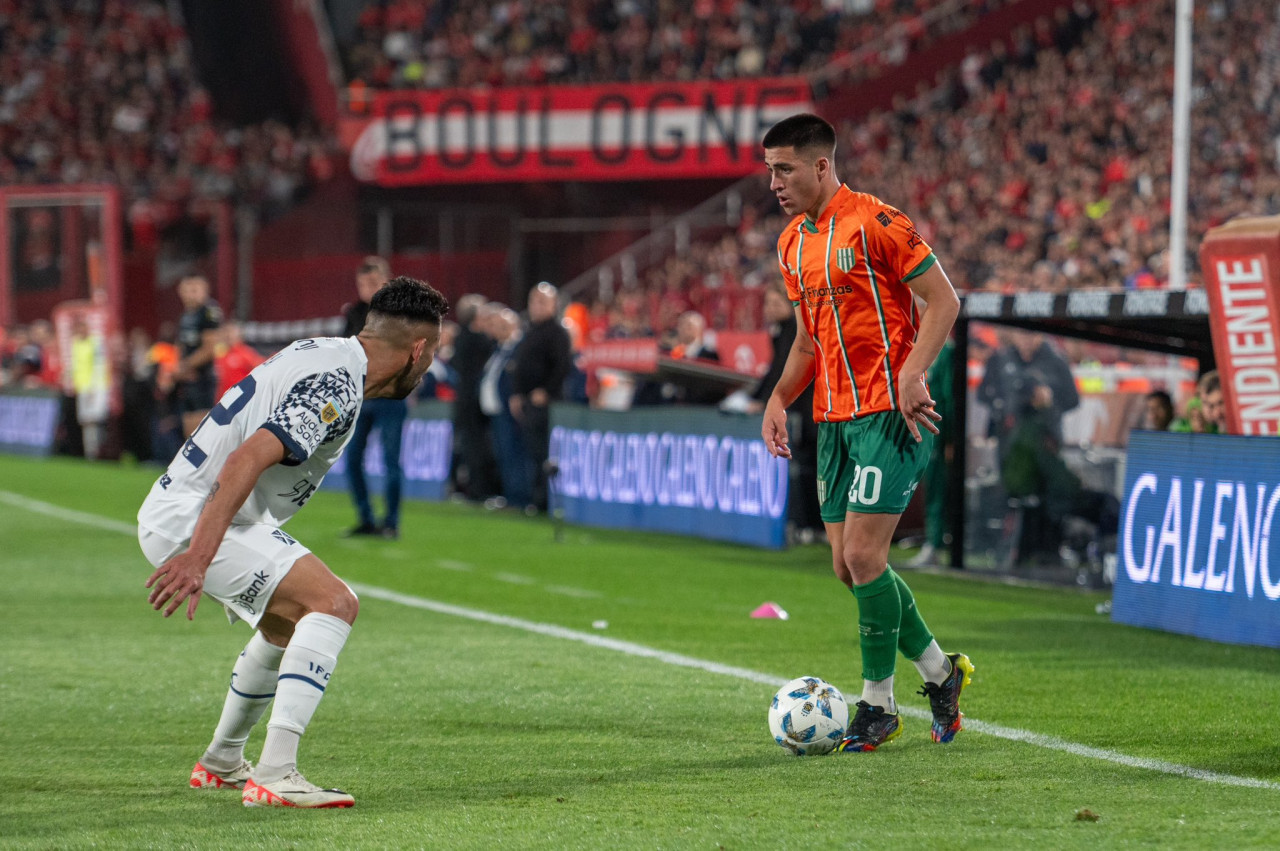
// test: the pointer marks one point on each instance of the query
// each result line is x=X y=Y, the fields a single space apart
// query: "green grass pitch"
x=456 y=731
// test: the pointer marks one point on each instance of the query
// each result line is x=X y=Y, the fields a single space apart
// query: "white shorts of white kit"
x=245 y=571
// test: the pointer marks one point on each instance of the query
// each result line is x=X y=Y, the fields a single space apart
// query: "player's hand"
x=916 y=406
x=516 y=404
x=178 y=579
x=774 y=430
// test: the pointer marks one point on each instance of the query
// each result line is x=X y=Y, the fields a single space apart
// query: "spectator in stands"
x=692 y=341
x=1159 y=411
x=108 y=93
x=470 y=43
x=1213 y=405
x=385 y=415
x=197 y=343
x=514 y=467
x=235 y=358
x=1025 y=357
x=1205 y=411
x=474 y=464
x=1071 y=196
x=540 y=365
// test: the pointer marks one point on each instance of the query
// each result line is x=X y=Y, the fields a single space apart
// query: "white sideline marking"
x=570 y=591
x=515 y=578
x=57 y=511
x=1012 y=734
x=450 y=564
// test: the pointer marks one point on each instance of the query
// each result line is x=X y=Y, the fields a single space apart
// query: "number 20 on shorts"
x=865 y=489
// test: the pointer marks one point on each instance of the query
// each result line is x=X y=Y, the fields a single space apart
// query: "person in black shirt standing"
x=540 y=365
x=386 y=415
x=197 y=340
x=474 y=464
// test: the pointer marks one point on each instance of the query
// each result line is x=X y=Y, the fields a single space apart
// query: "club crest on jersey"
x=846 y=259
x=328 y=413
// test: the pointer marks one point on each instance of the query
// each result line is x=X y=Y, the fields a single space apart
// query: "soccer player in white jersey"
x=211 y=525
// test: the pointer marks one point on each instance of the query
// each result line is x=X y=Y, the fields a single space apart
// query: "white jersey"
x=308 y=395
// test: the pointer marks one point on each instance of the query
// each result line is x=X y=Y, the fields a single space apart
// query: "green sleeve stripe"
x=795 y=304
x=923 y=267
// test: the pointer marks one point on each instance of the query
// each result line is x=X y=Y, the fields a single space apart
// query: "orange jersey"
x=848 y=277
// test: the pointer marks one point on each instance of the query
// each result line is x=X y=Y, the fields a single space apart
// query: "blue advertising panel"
x=28 y=422
x=683 y=470
x=426 y=453
x=1196 y=553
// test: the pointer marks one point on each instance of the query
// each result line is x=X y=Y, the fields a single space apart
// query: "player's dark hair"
x=409 y=299
x=804 y=132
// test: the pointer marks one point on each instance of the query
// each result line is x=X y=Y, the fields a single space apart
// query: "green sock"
x=914 y=636
x=879 y=614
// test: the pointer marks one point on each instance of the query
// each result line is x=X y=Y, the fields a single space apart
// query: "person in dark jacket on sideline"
x=540 y=365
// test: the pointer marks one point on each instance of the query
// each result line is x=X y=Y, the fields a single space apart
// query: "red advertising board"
x=1240 y=261
x=598 y=132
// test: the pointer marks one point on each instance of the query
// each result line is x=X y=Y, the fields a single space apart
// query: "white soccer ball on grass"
x=808 y=716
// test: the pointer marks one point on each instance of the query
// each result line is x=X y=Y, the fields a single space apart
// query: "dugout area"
x=1162 y=321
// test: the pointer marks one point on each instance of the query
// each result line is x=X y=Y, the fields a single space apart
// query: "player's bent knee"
x=346 y=605
x=311 y=587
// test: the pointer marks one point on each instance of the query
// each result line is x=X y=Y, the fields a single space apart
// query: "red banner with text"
x=599 y=132
x=1241 y=260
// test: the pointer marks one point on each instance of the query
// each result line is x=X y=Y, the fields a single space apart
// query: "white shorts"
x=245 y=571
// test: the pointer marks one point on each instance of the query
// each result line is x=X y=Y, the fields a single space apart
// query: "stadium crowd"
x=438 y=44
x=1044 y=166
x=108 y=93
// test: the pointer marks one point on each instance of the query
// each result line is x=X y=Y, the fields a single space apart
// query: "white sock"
x=308 y=662
x=253 y=684
x=880 y=693
x=933 y=664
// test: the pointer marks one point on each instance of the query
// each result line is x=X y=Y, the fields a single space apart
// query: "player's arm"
x=182 y=577
x=942 y=306
x=796 y=375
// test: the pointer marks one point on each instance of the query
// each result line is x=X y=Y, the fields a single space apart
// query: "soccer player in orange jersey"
x=856 y=271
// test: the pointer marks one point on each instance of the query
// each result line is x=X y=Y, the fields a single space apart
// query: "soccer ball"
x=808 y=716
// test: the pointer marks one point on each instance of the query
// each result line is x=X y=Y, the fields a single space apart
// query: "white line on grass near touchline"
x=639 y=650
